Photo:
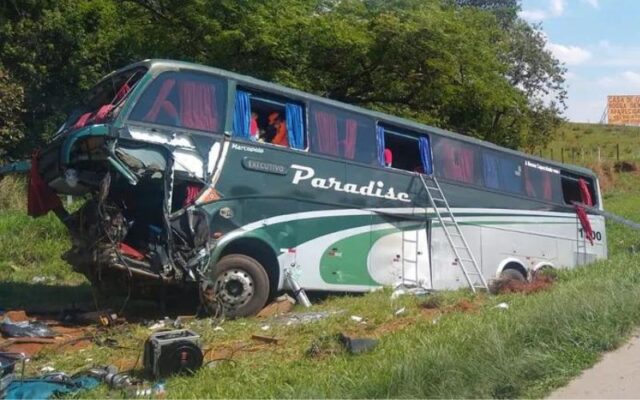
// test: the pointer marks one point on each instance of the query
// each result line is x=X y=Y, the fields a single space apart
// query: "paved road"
x=616 y=376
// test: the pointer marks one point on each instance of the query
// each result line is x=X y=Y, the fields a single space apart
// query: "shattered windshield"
x=103 y=101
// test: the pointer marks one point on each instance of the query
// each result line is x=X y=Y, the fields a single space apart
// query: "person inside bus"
x=388 y=158
x=254 y=129
x=276 y=131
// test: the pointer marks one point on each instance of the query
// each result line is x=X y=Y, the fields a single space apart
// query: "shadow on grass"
x=46 y=298
x=19 y=295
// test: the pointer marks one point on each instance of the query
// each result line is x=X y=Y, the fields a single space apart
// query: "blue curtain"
x=295 y=126
x=242 y=115
x=380 y=140
x=502 y=173
x=490 y=171
x=425 y=155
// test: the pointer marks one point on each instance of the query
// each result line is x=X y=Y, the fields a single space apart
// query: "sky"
x=599 y=43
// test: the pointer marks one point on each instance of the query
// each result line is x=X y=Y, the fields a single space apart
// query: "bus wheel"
x=239 y=283
x=511 y=274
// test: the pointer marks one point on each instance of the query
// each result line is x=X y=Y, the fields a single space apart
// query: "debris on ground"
x=502 y=306
x=172 y=352
x=281 y=305
x=8 y=328
x=267 y=339
x=357 y=345
x=334 y=344
x=403 y=289
x=302 y=318
x=356 y=318
x=400 y=311
x=49 y=386
x=539 y=283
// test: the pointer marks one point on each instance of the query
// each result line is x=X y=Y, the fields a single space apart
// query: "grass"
x=580 y=143
x=539 y=343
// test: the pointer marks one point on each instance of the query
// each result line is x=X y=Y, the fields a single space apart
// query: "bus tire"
x=241 y=284
x=511 y=274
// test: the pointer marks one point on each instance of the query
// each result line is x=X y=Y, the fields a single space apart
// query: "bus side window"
x=502 y=172
x=344 y=134
x=404 y=149
x=540 y=183
x=261 y=117
x=456 y=160
x=571 y=188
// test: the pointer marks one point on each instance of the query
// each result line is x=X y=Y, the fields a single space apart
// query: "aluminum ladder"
x=410 y=239
x=456 y=239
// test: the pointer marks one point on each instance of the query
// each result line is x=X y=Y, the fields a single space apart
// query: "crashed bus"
x=187 y=187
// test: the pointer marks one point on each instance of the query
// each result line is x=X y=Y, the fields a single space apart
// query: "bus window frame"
x=393 y=130
x=267 y=96
x=591 y=182
x=339 y=109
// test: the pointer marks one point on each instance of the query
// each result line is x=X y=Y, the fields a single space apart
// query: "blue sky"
x=599 y=42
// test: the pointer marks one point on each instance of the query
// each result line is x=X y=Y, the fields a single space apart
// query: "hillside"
x=581 y=143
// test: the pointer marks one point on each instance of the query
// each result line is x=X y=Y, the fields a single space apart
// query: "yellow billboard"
x=623 y=110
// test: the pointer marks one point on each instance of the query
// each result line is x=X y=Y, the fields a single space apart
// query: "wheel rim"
x=234 y=288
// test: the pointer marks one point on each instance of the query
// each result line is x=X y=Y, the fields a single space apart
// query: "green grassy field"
x=578 y=143
x=465 y=348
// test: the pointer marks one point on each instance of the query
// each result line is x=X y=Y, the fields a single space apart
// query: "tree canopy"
x=472 y=66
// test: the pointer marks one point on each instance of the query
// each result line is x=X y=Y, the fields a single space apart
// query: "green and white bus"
x=201 y=179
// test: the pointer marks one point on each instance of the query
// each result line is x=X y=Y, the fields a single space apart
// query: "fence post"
x=552 y=153
x=562 y=154
x=599 y=158
x=617 y=151
x=582 y=154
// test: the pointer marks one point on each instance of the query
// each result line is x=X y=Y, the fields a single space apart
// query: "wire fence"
x=590 y=154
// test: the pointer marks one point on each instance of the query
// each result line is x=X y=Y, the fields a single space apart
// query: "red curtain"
x=191 y=195
x=327 y=133
x=351 y=132
x=124 y=89
x=82 y=120
x=152 y=115
x=40 y=198
x=584 y=192
x=458 y=162
x=538 y=184
x=197 y=106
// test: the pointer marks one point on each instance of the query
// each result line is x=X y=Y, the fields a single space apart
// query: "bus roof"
x=157 y=66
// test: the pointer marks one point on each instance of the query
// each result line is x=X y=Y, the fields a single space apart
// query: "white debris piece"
x=502 y=306
x=400 y=311
x=218 y=328
x=265 y=327
x=356 y=318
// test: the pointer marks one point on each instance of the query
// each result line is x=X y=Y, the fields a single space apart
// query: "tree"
x=11 y=109
x=471 y=66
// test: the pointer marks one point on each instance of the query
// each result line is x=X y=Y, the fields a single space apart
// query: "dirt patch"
x=16 y=315
x=606 y=172
x=625 y=166
x=538 y=284
x=431 y=303
x=465 y=306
